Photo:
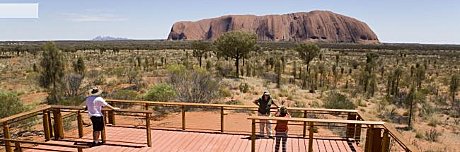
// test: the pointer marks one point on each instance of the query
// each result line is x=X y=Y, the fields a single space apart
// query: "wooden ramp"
x=121 y=139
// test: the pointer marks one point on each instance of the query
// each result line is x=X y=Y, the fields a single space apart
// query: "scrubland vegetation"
x=413 y=87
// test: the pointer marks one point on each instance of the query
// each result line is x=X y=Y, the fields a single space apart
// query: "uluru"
x=314 y=26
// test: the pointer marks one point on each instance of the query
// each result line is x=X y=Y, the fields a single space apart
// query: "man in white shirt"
x=94 y=104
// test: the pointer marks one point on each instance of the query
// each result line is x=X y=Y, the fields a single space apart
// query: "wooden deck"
x=121 y=139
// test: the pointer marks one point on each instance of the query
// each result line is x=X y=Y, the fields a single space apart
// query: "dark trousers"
x=280 y=137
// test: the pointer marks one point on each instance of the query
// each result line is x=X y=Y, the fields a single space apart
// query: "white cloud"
x=93 y=17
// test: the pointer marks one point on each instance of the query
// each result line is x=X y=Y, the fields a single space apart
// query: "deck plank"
x=328 y=146
x=342 y=146
x=133 y=140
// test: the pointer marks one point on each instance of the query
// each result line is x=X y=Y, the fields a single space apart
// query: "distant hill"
x=108 y=38
x=315 y=26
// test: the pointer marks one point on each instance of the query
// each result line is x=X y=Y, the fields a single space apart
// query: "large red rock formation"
x=312 y=26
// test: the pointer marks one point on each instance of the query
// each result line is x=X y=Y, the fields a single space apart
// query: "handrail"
x=224 y=105
x=394 y=134
x=399 y=138
x=24 y=114
x=318 y=120
x=104 y=109
x=18 y=145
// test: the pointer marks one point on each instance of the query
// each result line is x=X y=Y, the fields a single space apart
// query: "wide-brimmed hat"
x=95 y=91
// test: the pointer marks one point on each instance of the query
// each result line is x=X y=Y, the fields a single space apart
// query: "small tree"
x=199 y=50
x=235 y=45
x=307 y=52
x=79 y=66
x=52 y=71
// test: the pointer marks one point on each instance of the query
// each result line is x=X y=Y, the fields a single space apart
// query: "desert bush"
x=133 y=76
x=224 y=92
x=68 y=122
x=124 y=95
x=10 y=105
x=432 y=135
x=298 y=104
x=161 y=92
x=193 y=85
x=244 y=87
x=100 y=80
x=234 y=102
x=72 y=83
x=433 y=122
x=419 y=135
x=336 y=100
x=72 y=100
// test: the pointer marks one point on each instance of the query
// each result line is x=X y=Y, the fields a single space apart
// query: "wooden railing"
x=311 y=124
x=55 y=128
x=389 y=133
x=381 y=134
x=224 y=107
x=18 y=147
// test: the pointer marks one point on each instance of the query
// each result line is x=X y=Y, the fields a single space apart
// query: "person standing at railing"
x=264 y=103
x=281 y=128
x=94 y=104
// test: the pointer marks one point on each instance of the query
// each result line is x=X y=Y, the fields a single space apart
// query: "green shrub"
x=161 y=92
x=244 y=87
x=335 y=100
x=224 y=92
x=10 y=104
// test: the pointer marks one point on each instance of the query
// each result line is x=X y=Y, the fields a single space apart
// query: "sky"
x=394 y=21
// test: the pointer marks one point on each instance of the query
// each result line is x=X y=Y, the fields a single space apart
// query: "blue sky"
x=418 y=21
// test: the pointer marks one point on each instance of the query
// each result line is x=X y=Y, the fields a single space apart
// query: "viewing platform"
x=347 y=131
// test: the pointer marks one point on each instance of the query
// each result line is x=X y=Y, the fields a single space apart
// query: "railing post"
x=79 y=124
x=351 y=128
x=368 y=144
x=79 y=149
x=58 y=126
x=46 y=129
x=6 y=135
x=253 y=136
x=385 y=141
x=304 y=124
x=50 y=124
x=103 y=135
x=149 y=132
x=222 y=119
x=310 y=137
x=183 y=117
x=373 y=139
x=358 y=130
x=17 y=146
x=111 y=117
x=146 y=106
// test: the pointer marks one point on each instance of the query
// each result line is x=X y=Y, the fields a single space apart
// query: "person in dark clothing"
x=281 y=129
x=264 y=103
